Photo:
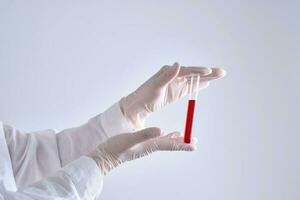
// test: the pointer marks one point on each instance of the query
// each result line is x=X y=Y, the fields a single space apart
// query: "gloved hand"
x=168 y=85
x=129 y=146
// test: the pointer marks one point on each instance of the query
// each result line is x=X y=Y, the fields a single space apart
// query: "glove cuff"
x=105 y=160
x=132 y=112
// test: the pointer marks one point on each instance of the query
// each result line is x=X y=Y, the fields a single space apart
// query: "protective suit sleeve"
x=39 y=154
x=80 y=180
x=33 y=155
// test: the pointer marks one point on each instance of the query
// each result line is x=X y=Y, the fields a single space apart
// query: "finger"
x=194 y=140
x=178 y=146
x=173 y=135
x=170 y=142
x=180 y=139
x=174 y=144
x=216 y=74
x=188 y=71
x=142 y=136
x=202 y=84
x=166 y=75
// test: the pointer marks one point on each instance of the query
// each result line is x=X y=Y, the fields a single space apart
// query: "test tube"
x=193 y=87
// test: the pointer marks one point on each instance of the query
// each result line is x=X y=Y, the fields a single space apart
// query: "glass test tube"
x=193 y=88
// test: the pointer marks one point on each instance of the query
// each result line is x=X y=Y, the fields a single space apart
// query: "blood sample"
x=189 y=121
x=191 y=109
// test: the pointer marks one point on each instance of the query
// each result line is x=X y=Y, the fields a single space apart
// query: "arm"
x=80 y=180
x=40 y=154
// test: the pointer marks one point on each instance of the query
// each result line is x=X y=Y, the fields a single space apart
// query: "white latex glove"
x=129 y=146
x=168 y=85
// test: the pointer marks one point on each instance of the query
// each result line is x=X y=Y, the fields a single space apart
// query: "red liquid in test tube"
x=191 y=109
x=189 y=121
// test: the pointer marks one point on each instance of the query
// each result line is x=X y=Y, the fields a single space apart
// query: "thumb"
x=142 y=136
x=167 y=74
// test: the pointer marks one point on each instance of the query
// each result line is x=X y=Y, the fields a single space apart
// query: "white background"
x=62 y=62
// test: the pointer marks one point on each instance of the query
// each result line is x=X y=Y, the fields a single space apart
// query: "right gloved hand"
x=168 y=85
x=129 y=146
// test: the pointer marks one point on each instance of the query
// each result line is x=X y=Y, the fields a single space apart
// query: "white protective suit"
x=49 y=165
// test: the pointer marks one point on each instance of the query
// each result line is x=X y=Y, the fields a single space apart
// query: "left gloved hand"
x=130 y=146
x=167 y=85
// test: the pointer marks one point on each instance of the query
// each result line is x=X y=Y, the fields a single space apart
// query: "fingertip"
x=219 y=72
x=192 y=147
x=157 y=132
x=176 y=64
x=194 y=140
x=222 y=73
x=154 y=131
